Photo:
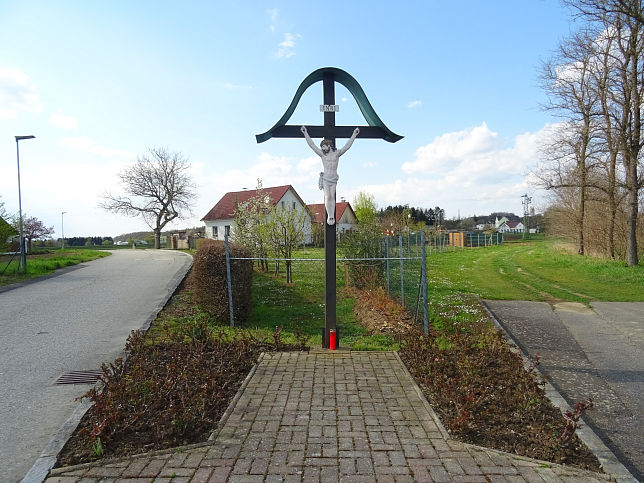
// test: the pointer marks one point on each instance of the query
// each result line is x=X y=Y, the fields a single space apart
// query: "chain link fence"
x=397 y=264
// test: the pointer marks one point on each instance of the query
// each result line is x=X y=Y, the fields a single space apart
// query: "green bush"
x=365 y=241
x=210 y=281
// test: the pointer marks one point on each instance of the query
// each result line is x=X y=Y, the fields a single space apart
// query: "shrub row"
x=210 y=282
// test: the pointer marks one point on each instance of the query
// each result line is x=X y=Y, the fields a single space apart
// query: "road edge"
x=609 y=462
x=41 y=468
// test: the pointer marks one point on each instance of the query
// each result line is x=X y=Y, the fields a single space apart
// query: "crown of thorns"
x=326 y=142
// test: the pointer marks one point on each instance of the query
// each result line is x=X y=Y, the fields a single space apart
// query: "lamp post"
x=62 y=228
x=22 y=263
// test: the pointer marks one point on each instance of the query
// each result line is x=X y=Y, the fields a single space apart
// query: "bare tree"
x=250 y=221
x=285 y=230
x=568 y=82
x=157 y=187
x=34 y=229
x=3 y=212
x=623 y=21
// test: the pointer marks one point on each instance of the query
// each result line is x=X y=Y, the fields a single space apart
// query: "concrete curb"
x=40 y=470
x=56 y=273
x=424 y=400
x=606 y=457
x=233 y=403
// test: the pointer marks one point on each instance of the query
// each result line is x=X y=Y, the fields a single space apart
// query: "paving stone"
x=350 y=417
x=107 y=472
x=220 y=474
x=172 y=472
x=134 y=468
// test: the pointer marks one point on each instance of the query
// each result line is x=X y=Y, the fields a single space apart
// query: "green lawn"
x=45 y=263
x=301 y=305
x=538 y=270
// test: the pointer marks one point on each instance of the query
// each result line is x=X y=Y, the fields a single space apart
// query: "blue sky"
x=99 y=82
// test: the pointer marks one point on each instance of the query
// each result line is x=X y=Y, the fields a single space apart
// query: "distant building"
x=220 y=220
x=346 y=218
x=510 y=227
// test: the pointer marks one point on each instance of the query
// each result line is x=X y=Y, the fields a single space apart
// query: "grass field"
x=538 y=270
x=541 y=270
x=45 y=263
x=301 y=304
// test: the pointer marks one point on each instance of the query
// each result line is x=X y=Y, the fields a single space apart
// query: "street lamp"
x=22 y=263
x=62 y=227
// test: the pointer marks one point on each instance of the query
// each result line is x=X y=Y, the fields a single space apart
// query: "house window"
x=282 y=205
x=214 y=232
x=294 y=205
x=227 y=227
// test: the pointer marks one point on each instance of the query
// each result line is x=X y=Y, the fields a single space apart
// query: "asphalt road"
x=586 y=353
x=71 y=322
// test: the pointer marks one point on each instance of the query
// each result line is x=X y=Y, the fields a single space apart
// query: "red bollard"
x=332 y=339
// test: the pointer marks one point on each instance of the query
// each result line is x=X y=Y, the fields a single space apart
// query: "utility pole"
x=526 y=214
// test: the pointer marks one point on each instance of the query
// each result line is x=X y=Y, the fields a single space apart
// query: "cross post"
x=328 y=86
x=375 y=129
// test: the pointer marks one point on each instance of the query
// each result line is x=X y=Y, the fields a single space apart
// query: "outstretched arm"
x=317 y=150
x=346 y=147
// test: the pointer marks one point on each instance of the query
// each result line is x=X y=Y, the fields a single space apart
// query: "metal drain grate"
x=79 y=377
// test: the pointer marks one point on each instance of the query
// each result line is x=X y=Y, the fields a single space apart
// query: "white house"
x=499 y=221
x=345 y=217
x=220 y=220
x=510 y=227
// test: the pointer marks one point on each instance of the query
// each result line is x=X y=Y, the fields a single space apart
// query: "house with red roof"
x=510 y=227
x=220 y=220
x=346 y=218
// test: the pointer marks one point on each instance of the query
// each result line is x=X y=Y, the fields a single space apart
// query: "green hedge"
x=210 y=281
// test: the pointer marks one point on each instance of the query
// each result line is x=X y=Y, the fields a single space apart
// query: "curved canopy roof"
x=352 y=86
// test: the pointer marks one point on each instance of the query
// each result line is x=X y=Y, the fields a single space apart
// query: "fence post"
x=230 y=285
x=423 y=281
x=402 y=271
x=387 y=261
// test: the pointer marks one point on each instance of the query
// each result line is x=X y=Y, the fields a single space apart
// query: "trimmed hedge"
x=210 y=282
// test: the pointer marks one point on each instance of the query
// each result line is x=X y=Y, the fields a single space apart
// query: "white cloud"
x=286 y=47
x=273 y=14
x=472 y=171
x=17 y=93
x=273 y=170
x=452 y=149
x=62 y=121
x=413 y=104
x=230 y=86
x=86 y=144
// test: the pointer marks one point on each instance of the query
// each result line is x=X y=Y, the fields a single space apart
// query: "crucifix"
x=375 y=129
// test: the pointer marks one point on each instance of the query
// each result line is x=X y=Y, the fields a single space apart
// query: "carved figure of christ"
x=329 y=177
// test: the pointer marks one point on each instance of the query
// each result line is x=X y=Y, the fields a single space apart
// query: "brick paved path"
x=344 y=416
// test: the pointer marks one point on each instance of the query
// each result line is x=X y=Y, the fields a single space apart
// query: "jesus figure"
x=329 y=177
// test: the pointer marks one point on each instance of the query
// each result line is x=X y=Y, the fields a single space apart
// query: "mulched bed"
x=166 y=394
x=173 y=392
x=479 y=387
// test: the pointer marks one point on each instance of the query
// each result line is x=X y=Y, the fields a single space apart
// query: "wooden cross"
x=375 y=129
